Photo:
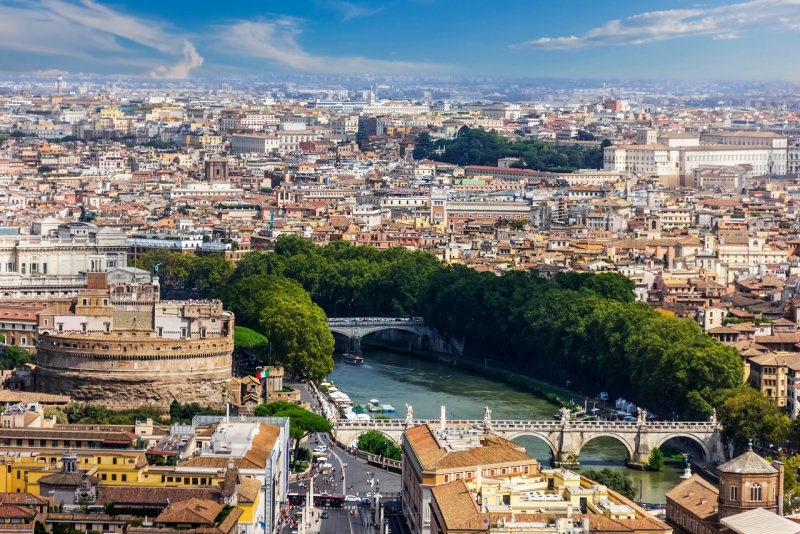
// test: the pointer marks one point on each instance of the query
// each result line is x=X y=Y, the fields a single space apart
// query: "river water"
x=398 y=380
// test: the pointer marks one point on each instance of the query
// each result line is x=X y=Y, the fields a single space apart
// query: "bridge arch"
x=691 y=437
x=630 y=448
x=363 y=331
x=541 y=437
x=351 y=438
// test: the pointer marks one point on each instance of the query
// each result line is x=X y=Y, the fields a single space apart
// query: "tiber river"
x=398 y=380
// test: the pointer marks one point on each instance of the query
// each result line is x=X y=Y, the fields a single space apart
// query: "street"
x=349 y=476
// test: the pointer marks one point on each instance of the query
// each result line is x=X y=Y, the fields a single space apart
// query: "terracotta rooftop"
x=697 y=496
x=192 y=511
x=748 y=463
x=458 y=507
x=432 y=456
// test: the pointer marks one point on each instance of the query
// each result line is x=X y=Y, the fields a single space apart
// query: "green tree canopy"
x=374 y=442
x=296 y=327
x=12 y=357
x=476 y=146
x=245 y=338
x=746 y=414
x=613 y=480
x=656 y=460
x=302 y=422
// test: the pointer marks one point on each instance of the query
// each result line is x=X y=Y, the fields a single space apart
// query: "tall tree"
x=301 y=421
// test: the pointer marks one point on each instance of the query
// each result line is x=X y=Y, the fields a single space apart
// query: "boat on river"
x=375 y=406
x=353 y=359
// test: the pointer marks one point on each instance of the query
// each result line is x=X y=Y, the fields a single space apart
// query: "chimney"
x=96 y=280
x=779 y=490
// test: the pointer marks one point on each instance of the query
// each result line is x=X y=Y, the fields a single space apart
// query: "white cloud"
x=92 y=31
x=276 y=40
x=720 y=23
x=350 y=11
x=191 y=60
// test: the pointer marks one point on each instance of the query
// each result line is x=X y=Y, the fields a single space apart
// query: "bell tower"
x=749 y=481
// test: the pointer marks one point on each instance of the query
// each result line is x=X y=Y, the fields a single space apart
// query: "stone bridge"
x=565 y=438
x=355 y=328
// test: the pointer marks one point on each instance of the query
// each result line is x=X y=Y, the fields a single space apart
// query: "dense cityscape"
x=253 y=282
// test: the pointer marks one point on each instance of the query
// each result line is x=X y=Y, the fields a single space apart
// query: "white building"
x=53 y=260
x=674 y=159
x=205 y=190
x=254 y=144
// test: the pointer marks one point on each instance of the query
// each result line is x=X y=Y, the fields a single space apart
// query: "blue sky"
x=602 y=39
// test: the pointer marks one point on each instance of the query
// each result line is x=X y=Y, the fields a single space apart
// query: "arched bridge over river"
x=355 y=328
x=565 y=438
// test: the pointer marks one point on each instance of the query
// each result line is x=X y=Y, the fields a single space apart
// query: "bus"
x=329 y=501
x=321 y=501
x=297 y=499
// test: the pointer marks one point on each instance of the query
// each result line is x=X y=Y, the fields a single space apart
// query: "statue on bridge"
x=564 y=413
x=487 y=417
x=641 y=416
x=409 y=414
x=713 y=417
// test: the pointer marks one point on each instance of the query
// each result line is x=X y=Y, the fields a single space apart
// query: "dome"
x=748 y=463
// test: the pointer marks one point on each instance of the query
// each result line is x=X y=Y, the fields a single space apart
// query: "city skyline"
x=680 y=40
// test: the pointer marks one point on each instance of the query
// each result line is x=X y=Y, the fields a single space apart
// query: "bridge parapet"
x=375 y=321
x=499 y=424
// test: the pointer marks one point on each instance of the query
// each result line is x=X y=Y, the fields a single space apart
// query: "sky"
x=517 y=39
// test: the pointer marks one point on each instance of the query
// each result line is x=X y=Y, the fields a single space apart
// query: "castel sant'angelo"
x=118 y=344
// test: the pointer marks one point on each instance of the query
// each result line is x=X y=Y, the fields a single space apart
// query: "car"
x=320 y=448
x=351 y=498
x=324 y=515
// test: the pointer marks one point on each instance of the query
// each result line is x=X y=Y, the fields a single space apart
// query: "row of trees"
x=476 y=146
x=586 y=329
x=78 y=413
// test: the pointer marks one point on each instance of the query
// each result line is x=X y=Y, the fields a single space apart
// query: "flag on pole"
x=262 y=374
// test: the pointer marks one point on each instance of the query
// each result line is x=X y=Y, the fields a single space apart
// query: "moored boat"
x=353 y=359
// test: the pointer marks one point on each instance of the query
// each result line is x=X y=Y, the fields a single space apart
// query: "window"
x=734 y=493
x=113 y=477
x=124 y=478
x=83 y=327
x=107 y=327
x=22 y=268
x=60 y=327
x=34 y=268
x=84 y=302
x=755 y=493
x=44 y=268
